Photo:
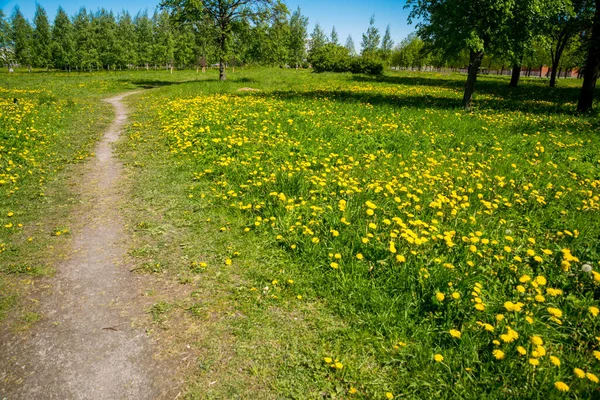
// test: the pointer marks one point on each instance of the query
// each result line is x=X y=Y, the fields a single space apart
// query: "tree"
x=590 y=71
x=127 y=40
x=42 y=56
x=222 y=14
x=185 y=48
x=370 y=39
x=317 y=40
x=386 y=45
x=335 y=39
x=278 y=33
x=143 y=33
x=526 y=25
x=297 y=38
x=104 y=27
x=164 y=45
x=350 y=45
x=22 y=37
x=6 y=43
x=63 y=41
x=566 y=23
x=85 y=40
x=409 y=53
x=454 y=25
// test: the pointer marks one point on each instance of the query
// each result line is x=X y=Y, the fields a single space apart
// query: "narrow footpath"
x=87 y=345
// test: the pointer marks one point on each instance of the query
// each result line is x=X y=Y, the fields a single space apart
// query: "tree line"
x=171 y=37
x=514 y=33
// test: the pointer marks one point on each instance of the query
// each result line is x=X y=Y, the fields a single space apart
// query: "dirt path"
x=87 y=345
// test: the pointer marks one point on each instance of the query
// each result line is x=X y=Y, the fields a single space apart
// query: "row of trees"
x=412 y=54
x=179 y=34
x=511 y=31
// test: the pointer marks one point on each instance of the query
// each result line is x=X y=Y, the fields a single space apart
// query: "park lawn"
x=347 y=236
x=49 y=123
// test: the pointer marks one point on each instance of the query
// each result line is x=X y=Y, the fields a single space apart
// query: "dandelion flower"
x=438 y=358
x=455 y=333
x=499 y=354
x=561 y=386
x=534 y=361
x=591 y=377
x=579 y=373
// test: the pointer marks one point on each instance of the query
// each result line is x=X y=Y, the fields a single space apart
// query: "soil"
x=90 y=343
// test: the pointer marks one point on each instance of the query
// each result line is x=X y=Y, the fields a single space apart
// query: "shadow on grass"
x=154 y=83
x=529 y=97
x=526 y=104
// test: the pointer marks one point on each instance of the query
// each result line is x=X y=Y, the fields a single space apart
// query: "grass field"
x=340 y=236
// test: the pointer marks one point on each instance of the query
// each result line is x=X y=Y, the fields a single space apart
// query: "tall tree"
x=318 y=39
x=222 y=14
x=454 y=25
x=590 y=71
x=126 y=41
x=370 y=39
x=387 y=45
x=350 y=45
x=6 y=43
x=143 y=33
x=297 y=38
x=278 y=34
x=63 y=41
x=42 y=53
x=164 y=44
x=335 y=38
x=185 y=48
x=570 y=18
x=22 y=37
x=85 y=41
x=104 y=27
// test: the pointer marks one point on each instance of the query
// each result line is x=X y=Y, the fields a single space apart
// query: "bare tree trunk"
x=516 y=75
x=474 y=64
x=590 y=72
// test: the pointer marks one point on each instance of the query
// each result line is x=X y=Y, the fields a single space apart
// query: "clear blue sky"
x=350 y=17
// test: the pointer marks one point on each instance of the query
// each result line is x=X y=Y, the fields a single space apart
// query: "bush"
x=331 y=58
x=334 y=58
x=362 y=65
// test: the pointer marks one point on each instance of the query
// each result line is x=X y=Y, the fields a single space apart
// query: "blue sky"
x=350 y=17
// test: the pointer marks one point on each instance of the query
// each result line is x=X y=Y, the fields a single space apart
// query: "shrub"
x=362 y=65
x=331 y=58
x=334 y=58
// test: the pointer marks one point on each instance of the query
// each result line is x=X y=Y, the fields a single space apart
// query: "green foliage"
x=42 y=51
x=297 y=38
x=22 y=38
x=336 y=58
x=63 y=41
x=370 y=39
x=331 y=58
x=318 y=39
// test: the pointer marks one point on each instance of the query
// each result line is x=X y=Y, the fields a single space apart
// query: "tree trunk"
x=502 y=70
x=556 y=55
x=590 y=72
x=516 y=75
x=474 y=64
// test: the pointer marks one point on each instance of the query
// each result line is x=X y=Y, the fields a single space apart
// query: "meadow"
x=342 y=236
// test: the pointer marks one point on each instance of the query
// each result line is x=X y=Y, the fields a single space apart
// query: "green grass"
x=503 y=173
x=236 y=203
x=49 y=123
